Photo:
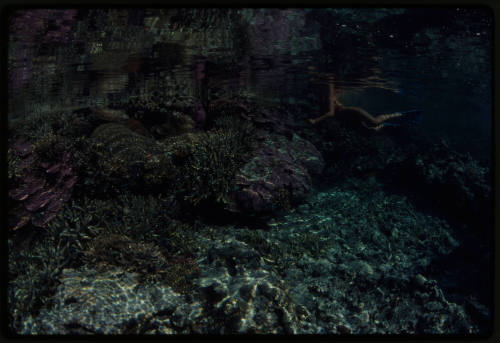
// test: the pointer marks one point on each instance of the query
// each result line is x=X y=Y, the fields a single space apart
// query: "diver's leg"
x=378 y=121
x=374 y=128
x=383 y=117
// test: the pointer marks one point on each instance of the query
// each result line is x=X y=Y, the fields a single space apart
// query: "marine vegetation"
x=35 y=262
x=131 y=231
x=208 y=161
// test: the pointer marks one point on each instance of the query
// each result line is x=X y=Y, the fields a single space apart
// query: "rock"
x=241 y=297
x=110 y=303
x=278 y=175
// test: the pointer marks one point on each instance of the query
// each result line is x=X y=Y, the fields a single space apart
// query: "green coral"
x=209 y=160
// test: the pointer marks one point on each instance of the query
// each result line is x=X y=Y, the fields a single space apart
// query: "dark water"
x=437 y=60
x=386 y=60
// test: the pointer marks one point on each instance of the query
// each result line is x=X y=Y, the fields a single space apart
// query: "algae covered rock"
x=278 y=175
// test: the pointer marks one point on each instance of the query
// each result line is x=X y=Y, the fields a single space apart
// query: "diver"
x=356 y=116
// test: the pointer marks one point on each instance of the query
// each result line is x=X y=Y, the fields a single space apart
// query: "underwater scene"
x=250 y=171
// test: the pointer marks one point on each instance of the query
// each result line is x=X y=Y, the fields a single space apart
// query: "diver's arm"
x=383 y=117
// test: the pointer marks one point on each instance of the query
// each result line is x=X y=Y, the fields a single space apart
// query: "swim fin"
x=408 y=118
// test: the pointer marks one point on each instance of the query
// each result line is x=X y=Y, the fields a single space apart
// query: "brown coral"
x=120 y=250
x=130 y=159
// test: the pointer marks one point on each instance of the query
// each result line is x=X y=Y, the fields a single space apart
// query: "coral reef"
x=341 y=276
x=36 y=259
x=116 y=302
x=116 y=116
x=456 y=183
x=242 y=295
x=194 y=166
x=110 y=250
x=39 y=189
x=349 y=254
x=112 y=302
x=267 y=117
x=180 y=273
x=35 y=126
x=83 y=231
x=166 y=154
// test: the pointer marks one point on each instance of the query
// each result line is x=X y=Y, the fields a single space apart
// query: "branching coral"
x=210 y=160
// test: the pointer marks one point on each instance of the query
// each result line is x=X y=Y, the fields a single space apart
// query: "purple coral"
x=39 y=195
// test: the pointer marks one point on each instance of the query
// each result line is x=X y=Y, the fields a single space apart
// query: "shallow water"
x=360 y=238
x=385 y=60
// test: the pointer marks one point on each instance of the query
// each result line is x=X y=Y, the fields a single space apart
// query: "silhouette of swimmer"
x=355 y=115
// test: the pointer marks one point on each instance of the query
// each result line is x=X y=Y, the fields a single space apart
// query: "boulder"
x=278 y=175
